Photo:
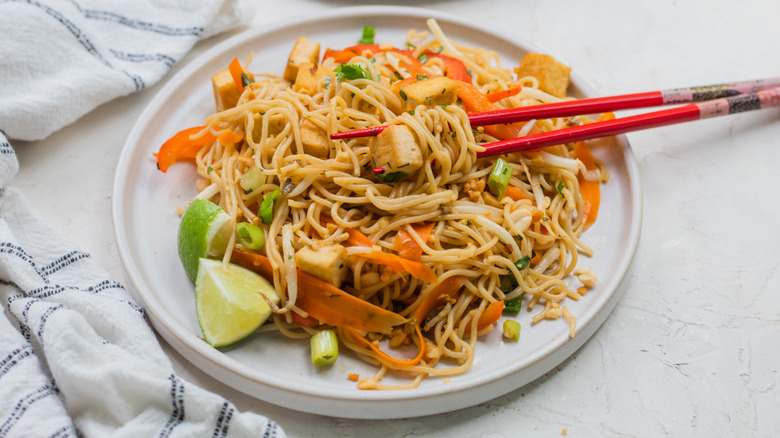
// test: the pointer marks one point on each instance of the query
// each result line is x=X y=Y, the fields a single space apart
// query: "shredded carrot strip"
x=375 y=349
x=515 y=193
x=235 y=72
x=356 y=238
x=229 y=137
x=407 y=247
x=606 y=116
x=589 y=190
x=400 y=265
x=324 y=302
x=491 y=314
x=443 y=292
x=503 y=94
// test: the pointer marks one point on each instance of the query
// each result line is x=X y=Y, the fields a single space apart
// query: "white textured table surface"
x=692 y=347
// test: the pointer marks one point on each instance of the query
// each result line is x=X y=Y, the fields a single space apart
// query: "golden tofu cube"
x=328 y=262
x=226 y=92
x=309 y=76
x=438 y=90
x=302 y=52
x=552 y=75
x=396 y=151
x=276 y=124
x=315 y=140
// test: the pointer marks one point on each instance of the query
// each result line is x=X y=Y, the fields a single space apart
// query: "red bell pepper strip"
x=477 y=101
x=181 y=147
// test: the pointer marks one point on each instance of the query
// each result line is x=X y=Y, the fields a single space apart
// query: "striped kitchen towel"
x=59 y=59
x=77 y=356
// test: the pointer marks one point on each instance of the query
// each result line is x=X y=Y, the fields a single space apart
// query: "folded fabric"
x=77 y=356
x=59 y=59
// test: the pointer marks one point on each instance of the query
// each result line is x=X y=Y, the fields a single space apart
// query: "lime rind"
x=228 y=302
x=204 y=231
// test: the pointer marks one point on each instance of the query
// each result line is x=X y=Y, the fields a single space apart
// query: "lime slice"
x=228 y=302
x=204 y=231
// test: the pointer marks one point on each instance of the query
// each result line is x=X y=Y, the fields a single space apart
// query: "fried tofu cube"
x=309 y=75
x=552 y=75
x=396 y=150
x=276 y=124
x=328 y=262
x=315 y=140
x=434 y=91
x=302 y=52
x=226 y=91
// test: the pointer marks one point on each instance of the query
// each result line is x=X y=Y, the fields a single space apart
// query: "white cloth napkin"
x=59 y=59
x=77 y=356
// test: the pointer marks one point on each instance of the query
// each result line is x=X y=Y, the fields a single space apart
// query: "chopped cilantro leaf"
x=246 y=80
x=422 y=58
x=350 y=72
x=391 y=177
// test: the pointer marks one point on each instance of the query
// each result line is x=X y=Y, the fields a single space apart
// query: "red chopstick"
x=713 y=108
x=599 y=104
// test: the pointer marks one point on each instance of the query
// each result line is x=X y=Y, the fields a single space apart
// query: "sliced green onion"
x=267 y=206
x=513 y=305
x=508 y=283
x=324 y=348
x=368 y=35
x=511 y=329
x=252 y=179
x=250 y=236
x=499 y=178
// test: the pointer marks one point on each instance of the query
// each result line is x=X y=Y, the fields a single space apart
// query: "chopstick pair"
x=704 y=102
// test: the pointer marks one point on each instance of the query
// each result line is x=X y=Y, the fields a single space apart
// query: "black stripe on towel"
x=223 y=421
x=177 y=413
x=17 y=251
x=143 y=57
x=82 y=39
x=271 y=427
x=14 y=357
x=22 y=405
x=132 y=23
x=63 y=261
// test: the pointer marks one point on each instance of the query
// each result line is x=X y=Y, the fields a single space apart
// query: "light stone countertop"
x=692 y=346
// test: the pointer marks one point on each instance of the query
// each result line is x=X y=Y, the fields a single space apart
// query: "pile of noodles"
x=478 y=240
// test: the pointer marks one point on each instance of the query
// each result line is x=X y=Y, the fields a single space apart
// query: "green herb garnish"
x=368 y=35
x=350 y=72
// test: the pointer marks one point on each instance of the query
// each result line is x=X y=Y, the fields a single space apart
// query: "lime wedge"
x=228 y=302
x=204 y=231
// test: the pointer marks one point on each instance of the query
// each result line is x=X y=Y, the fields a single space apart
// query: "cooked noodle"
x=479 y=239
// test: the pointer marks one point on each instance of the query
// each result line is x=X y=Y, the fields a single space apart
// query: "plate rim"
x=172 y=331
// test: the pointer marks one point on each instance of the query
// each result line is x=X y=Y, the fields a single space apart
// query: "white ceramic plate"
x=278 y=370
